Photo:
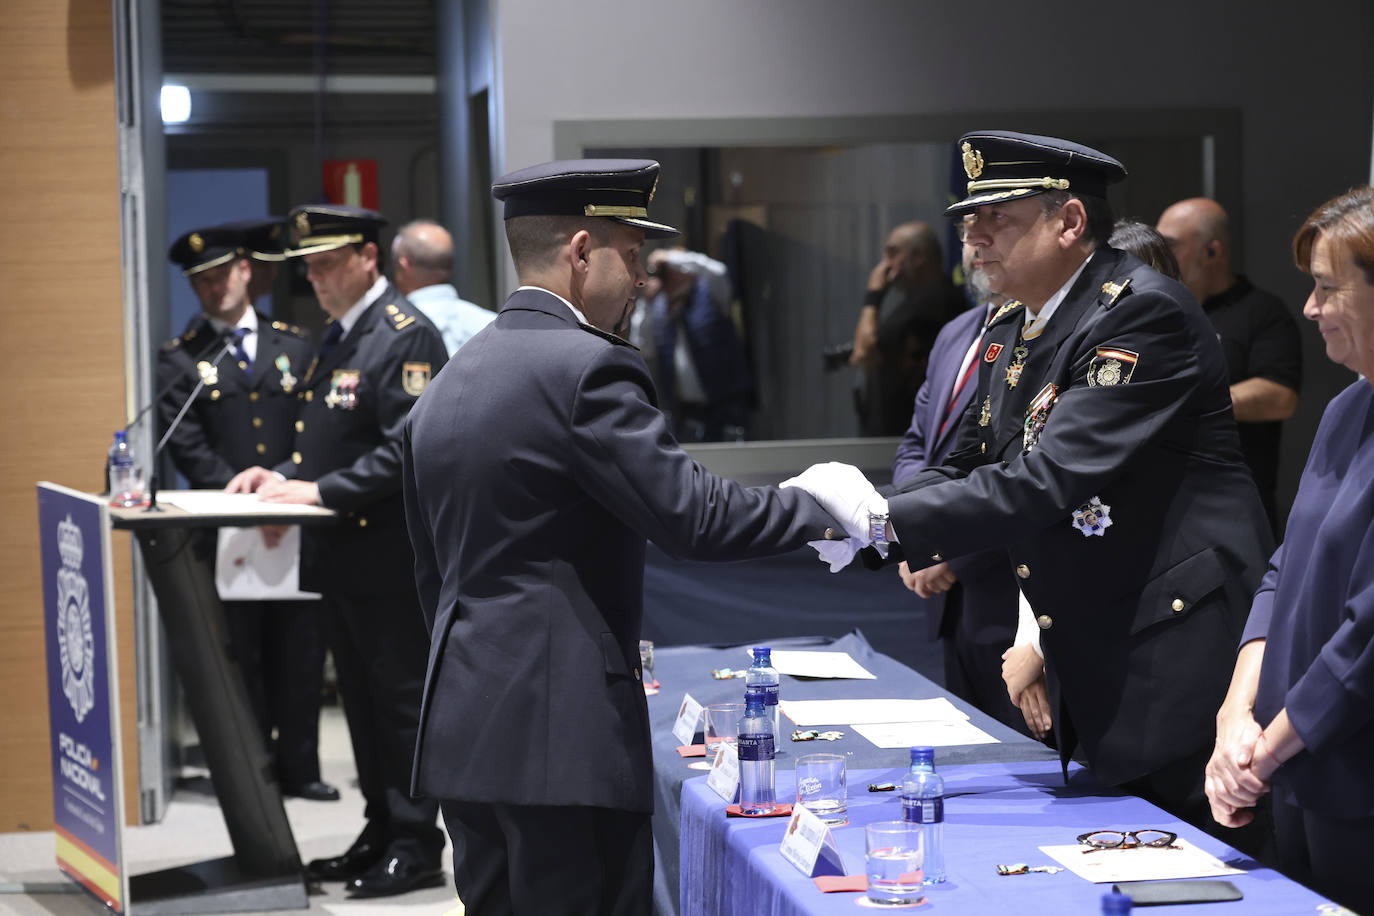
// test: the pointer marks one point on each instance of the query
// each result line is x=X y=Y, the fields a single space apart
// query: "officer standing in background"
x=1102 y=455
x=244 y=415
x=376 y=356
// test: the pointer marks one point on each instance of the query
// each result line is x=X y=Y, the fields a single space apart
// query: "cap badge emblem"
x=303 y=223
x=973 y=161
x=196 y=242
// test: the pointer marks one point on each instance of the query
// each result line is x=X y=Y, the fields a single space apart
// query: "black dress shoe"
x=314 y=790
x=359 y=857
x=395 y=875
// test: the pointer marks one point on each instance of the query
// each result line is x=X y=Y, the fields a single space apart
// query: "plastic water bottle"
x=923 y=802
x=756 y=752
x=125 y=489
x=763 y=677
x=1115 y=904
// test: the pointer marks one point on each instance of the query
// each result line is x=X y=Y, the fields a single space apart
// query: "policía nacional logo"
x=75 y=642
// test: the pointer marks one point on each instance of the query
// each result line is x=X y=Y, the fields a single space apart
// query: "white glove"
x=838 y=554
x=844 y=492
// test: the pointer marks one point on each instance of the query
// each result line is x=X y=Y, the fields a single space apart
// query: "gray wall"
x=1297 y=75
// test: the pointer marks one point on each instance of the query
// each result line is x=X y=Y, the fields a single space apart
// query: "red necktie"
x=968 y=374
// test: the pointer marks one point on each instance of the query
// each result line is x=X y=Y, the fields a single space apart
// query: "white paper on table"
x=246 y=570
x=215 y=502
x=865 y=712
x=799 y=663
x=924 y=734
x=1142 y=863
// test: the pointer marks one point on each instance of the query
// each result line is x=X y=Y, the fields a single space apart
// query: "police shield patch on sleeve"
x=1111 y=366
x=415 y=378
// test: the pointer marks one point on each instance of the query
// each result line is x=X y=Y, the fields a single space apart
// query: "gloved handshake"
x=844 y=492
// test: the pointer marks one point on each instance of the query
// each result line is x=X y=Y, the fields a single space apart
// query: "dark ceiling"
x=284 y=36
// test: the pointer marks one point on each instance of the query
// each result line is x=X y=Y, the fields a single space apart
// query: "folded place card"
x=688 y=715
x=691 y=750
x=809 y=845
x=724 y=776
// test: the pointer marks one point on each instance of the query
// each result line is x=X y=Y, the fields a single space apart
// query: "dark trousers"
x=279 y=648
x=380 y=652
x=973 y=660
x=1178 y=788
x=1330 y=855
x=539 y=860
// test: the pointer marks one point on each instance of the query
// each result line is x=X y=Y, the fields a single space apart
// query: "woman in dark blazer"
x=1299 y=715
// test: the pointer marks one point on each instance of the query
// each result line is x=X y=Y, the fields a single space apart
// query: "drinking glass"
x=894 y=855
x=722 y=726
x=821 y=787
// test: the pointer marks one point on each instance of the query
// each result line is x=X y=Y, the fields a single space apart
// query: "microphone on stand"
x=227 y=347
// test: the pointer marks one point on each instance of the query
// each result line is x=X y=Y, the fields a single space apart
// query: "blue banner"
x=83 y=698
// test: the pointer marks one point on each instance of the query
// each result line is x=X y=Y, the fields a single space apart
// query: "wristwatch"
x=877 y=532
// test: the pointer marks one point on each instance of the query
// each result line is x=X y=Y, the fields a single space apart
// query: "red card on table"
x=829 y=884
x=692 y=750
x=779 y=811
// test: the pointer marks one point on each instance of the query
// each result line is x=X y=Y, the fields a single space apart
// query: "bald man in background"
x=422 y=253
x=1258 y=335
x=908 y=300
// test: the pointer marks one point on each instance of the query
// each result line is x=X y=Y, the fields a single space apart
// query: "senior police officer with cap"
x=536 y=466
x=376 y=356
x=244 y=415
x=1101 y=452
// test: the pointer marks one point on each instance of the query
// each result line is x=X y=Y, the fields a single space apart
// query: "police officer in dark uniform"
x=1102 y=454
x=374 y=359
x=245 y=415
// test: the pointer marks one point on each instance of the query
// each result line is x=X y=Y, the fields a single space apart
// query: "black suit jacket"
x=537 y=465
x=1139 y=623
x=239 y=418
x=353 y=406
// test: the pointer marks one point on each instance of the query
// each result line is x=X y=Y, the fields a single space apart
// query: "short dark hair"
x=1099 y=226
x=535 y=240
x=1346 y=221
x=1141 y=240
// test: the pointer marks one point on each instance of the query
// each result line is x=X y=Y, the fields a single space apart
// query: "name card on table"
x=809 y=845
x=724 y=776
x=688 y=715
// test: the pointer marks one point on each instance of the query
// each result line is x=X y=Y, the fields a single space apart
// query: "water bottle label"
x=769 y=692
x=755 y=747
x=923 y=810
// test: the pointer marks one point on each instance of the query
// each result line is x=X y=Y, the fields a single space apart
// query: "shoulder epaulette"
x=289 y=329
x=1114 y=291
x=607 y=335
x=397 y=318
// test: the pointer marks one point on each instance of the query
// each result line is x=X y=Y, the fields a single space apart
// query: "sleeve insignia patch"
x=994 y=350
x=1111 y=366
x=415 y=378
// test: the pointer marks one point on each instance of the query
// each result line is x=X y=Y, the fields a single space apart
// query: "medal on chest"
x=1016 y=366
x=985 y=415
x=209 y=373
x=288 y=381
x=1093 y=518
x=343 y=389
x=1036 y=415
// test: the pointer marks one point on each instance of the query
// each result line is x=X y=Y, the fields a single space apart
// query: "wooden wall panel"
x=61 y=336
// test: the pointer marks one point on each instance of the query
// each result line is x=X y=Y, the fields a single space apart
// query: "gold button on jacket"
x=1044 y=621
x=1023 y=571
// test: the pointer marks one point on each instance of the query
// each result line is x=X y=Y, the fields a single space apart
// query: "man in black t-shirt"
x=1257 y=333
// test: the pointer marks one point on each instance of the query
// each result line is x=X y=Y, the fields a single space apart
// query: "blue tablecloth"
x=688 y=669
x=996 y=813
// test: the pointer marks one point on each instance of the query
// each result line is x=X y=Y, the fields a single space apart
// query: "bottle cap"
x=923 y=755
x=1116 y=904
x=120 y=435
x=753 y=699
x=762 y=653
